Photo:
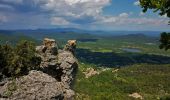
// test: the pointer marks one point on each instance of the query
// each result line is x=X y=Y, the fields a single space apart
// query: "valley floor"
x=148 y=82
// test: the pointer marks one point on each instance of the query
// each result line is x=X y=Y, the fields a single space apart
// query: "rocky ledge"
x=54 y=79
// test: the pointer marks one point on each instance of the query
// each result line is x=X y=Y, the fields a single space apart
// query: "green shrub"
x=19 y=60
x=7 y=54
x=165 y=97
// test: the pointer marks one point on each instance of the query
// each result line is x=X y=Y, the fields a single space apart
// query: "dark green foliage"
x=2 y=57
x=165 y=41
x=6 y=53
x=150 y=81
x=163 y=6
x=165 y=98
x=19 y=60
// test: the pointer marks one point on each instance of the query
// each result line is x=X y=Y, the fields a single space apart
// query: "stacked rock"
x=48 y=53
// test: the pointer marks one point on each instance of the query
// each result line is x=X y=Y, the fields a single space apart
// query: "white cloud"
x=124 y=15
x=163 y=16
x=141 y=14
x=6 y=7
x=73 y=8
x=148 y=21
x=3 y=18
x=78 y=13
x=72 y=11
x=59 y=21
x=123 y=19
x=111 y=19
x=136 y=3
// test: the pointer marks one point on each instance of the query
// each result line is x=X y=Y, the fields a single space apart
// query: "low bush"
x=19 y=60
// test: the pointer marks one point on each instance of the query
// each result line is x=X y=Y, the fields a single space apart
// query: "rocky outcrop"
x=136 y=96
x=70 y=46
x=68 y=64
x=35 y=85
x=90 y=72
x=60 y=64
x=54 y=79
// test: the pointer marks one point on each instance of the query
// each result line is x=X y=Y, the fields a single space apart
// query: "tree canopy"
x=163 y=7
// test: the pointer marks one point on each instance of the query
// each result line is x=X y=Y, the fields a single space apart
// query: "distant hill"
x=52 y=33
x=74 y=30
x=64 y=34
x=135 y=38
x=9 y=37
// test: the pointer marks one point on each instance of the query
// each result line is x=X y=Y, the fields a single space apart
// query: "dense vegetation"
x=163 y=6
x=150 y=81
x=18 y=60
x=165 y=41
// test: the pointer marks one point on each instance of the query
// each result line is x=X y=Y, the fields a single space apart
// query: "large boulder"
x=34 y=86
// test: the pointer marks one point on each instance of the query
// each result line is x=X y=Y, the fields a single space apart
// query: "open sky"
x=83 y=14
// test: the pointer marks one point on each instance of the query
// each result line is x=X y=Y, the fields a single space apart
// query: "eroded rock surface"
x=90 y=72
x=70 y=46
x=36 y=85
x=136 y=95
x=68 y=63
x=54 y=79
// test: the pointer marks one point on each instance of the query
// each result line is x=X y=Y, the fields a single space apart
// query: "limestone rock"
x=69 y=64
x=49 y=47
x=62 y=66
x=70 y=46
x=90 y=72
x=69 y=94
x=34 y=86
x=136 y=96
x=115 y=70
x=49 y=42
x=48 y=53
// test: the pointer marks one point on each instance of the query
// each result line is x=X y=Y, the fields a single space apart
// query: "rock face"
x=70 y=46
x=52 y=82
x=36 y=85
x=49 y=42
x=68 y=64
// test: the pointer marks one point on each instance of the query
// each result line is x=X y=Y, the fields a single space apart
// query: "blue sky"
x=83 y=14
